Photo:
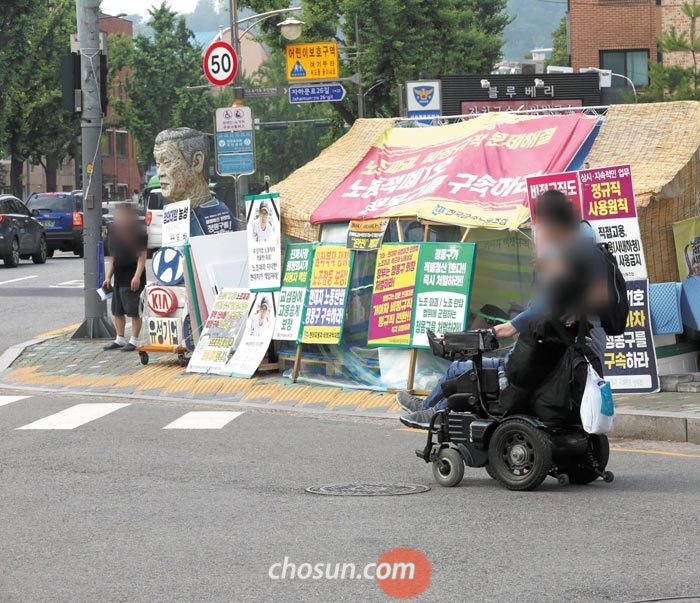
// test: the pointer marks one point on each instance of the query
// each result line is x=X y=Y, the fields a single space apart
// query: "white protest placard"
x=176 y=223
x=257 y=335
x=263 y=226
x=221 y=332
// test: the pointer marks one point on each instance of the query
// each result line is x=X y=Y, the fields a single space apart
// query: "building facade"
x=622 y=36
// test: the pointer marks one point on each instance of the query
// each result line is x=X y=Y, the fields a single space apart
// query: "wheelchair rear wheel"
x=582 y=471
x=448 y=468
x=520 y=455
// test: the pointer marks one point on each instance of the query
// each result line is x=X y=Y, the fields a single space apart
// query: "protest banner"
x=295 y=286
x=366 y=235
x=176 y=223
x=221 y=331
x=629 y=361
x=263 y=226
x=566 y=182
x=256 y=338
x=325 y=310
x=443 y=288
x=392 y=299
x=607 y=197
x=687 y=240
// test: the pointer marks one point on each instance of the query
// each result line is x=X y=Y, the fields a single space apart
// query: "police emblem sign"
x=423 y=98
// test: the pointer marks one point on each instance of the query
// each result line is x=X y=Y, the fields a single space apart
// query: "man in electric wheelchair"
x=518 y=415
x=570 y=268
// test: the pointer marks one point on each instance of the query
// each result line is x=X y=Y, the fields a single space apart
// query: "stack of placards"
x=605 y=198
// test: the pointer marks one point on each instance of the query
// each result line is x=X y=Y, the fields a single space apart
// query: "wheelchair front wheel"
x=520 y=455
x=448 y=468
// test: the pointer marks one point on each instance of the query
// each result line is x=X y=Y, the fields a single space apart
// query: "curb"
x=629 y=423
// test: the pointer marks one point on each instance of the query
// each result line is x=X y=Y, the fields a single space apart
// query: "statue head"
x=182 y=164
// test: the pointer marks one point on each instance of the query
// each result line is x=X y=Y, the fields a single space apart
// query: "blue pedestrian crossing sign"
x=298 y=70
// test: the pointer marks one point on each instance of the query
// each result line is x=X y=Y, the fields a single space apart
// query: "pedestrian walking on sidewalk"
x=128 y=243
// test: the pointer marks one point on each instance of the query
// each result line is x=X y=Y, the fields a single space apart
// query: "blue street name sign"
x=317 y=93
x=233 y=142
x=235 y=163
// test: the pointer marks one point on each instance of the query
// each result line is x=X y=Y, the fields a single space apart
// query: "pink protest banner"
x=477 y=169
x=607 y=193
x=566 y=182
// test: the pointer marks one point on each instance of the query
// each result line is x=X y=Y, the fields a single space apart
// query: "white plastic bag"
x=597 y=407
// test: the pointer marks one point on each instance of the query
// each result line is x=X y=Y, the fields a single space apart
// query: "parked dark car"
x=61 y=214
x=21 y=235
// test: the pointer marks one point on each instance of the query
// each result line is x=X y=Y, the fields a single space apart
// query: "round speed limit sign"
x=220 y=63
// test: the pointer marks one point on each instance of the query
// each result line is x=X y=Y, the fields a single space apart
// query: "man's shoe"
x=408 y=402
x=129 y=347
x=419 y=419
x=113 y=346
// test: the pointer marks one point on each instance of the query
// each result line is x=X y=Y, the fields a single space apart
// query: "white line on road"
x=75 y=416
x=204 y=419
x=22 y=278
x=74 y=284
x=10 y=399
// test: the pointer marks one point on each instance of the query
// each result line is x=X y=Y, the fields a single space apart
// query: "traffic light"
x=71 y=85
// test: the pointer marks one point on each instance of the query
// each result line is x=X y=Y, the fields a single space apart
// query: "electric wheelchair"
x=517 y=450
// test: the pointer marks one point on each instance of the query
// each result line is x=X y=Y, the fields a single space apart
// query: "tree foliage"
x=560 y=50
x=675 y=82
x=33 y=37
x=398 y=39
x=158 y=69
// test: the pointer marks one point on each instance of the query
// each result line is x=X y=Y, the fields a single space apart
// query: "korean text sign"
x=477 y=169
x=443 y=288
x=312 y=61
x=629 y=361
x=607 y=199
x=176 y=223
x=221 y=331
x=366 y=235
x=393 y=295
x=328 y=292
x=263 y=226
x=295 y=286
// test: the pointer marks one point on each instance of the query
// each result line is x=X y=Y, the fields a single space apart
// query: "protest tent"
x=661 y=142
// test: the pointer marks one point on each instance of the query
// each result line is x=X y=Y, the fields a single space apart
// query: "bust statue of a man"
x=182 y=167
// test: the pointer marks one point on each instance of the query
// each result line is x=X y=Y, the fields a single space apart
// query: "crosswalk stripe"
x=10 y=399
x=204 y=419
x=75 y=416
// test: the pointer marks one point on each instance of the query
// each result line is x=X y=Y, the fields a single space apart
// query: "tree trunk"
x=50 y=171
x=16 y=177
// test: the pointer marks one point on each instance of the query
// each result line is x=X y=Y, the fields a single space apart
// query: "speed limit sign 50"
x=220 y=63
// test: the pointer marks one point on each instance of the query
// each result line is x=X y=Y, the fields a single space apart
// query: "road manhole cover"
x=368 y=489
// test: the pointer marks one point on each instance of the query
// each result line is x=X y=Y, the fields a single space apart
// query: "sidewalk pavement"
x=59 y=364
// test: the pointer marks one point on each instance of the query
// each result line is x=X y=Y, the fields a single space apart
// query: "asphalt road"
x=38 y=298
x=120 y=509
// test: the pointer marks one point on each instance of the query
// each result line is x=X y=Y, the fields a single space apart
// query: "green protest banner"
x=295 y=286
x=443 y=289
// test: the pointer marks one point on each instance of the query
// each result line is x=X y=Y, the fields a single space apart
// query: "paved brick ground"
x=79 y=366
x=60 y=363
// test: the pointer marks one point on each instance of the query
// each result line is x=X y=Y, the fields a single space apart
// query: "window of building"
x=121 y=143
x=106 y=144
x=631 y=63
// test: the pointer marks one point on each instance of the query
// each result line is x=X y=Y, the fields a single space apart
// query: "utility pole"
x=237 y=97
x=96 y=325
x=360 y=89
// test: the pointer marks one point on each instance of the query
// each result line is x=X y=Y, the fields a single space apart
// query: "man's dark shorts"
x=126 y=301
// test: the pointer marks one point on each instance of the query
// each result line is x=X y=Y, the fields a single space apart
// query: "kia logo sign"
x=162 y=301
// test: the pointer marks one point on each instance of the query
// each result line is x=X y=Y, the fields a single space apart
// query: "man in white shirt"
x=262 y=228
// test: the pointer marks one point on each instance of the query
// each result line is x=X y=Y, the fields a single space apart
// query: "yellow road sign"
x=313 y=61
